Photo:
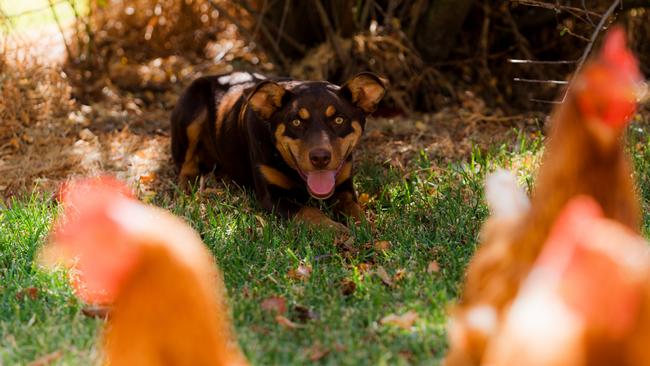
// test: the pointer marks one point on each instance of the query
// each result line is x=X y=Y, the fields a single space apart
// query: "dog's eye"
x=338 y=120
x=296 y=122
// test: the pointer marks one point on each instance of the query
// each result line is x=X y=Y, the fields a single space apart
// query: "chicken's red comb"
x=616 y=53
x=73 y=190
x=608 y=86
x=86 y=234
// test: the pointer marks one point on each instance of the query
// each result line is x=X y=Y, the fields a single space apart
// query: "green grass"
x=29 y=14
x=431 y=214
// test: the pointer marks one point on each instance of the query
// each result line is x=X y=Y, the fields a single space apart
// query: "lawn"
x=433 y=213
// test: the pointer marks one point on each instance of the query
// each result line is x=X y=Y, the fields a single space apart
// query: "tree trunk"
x=437 y=30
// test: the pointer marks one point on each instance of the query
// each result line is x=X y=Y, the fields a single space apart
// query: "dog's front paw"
x=316 y=217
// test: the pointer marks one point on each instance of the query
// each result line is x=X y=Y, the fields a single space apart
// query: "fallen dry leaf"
x=96 y=311
x=275 y=304
x=382 y=245
x=303 y=272
x=260 y=220
x=404 y=321
x=316 y=352
x=399 y=275
x=304 y=314
x=364 y=267
x=148 y=178
x=28 y=292
x=348 y=286
x=433 y=267
x=364 y=198
x=384 y=276
x=47 y=359
x=283 y=321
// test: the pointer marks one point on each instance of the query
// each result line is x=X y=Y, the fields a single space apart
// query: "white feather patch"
x=504 y=196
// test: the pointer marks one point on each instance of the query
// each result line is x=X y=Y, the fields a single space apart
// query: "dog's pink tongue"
x=321 y=183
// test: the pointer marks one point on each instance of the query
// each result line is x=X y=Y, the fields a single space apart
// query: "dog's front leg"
x=345 y=201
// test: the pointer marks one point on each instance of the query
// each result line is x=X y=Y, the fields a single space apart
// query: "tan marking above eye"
x=296 y=122
x=338 y=120
x=329 y=111
x=303 y=113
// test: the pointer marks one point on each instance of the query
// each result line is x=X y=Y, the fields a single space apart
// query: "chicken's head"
x=88 y=236
x=609 y=86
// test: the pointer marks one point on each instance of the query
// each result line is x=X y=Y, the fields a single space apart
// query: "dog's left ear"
x=365 y=90
x=266 y=98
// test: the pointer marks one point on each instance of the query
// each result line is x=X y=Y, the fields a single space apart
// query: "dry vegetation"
x=105 y=107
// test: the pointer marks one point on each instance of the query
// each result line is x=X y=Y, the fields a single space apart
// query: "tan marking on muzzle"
x=329 y=111
x=347 y=143
x=345 y=173
x=303 y=113
x=283 y=144
x=275 y=177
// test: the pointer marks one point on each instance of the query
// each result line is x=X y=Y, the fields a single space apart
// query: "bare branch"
x=333 y=37
x=561 y=62
x=540 y=81
x=590 y=45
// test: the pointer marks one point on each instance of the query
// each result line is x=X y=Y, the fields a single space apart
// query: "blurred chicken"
x=166 y=294
x=584 y=155
x=586 y=300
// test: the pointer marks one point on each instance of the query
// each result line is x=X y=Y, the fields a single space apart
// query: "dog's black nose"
x=320 y=158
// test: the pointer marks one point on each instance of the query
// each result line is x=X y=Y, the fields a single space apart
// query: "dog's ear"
x=365 y=90
x=266 y=98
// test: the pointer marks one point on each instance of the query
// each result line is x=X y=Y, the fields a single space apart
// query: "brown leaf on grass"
x=28 y=292
x=283 y=321
x=148 y=178
x=96 y=311
x=275 y=304
x=304 y=314
x=302 y=273
x=399 y=275
x=260 y=220
x=316 y=352
x=384 y=276
x=382 y=245
x=364 y=198
x=364 y=267
x=404 y=321
x=348 y=286
x=433 y=267
x=47 y=359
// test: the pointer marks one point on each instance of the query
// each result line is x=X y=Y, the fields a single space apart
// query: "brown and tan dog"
x=288 y=139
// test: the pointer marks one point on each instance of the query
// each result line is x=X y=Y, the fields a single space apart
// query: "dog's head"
x=316 y=125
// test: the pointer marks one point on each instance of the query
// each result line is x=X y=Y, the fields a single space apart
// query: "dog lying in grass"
x=288 y=139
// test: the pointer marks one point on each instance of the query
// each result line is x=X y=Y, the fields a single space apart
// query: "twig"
x=556 y=7
x=277 y=54
x=580 y=62
x=88 y=29
x=287 y=38
x=330 y=32
x=285 y=11
x=520 y=61
x=590 y=45
x=541 y=81
x=58 y=24
x=37 y=10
